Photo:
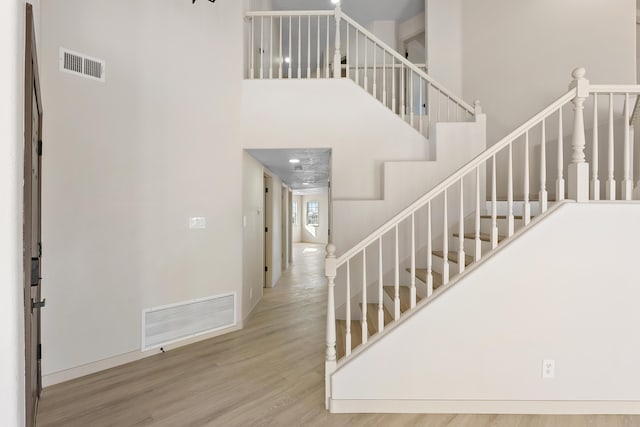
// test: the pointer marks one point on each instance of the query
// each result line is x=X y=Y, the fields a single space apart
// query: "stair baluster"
x=348 y=311
x=595 y=182
x=627 y=183
x=543 y=195
x=413 y=260
x=429 y=253
x=560 y=180
x=445 y=241
x=280 y=51
x=478 y=242
x=375 y=71
x=611 y=182
x=380 y=288
x=290 y=62
x=461 y=254
x=494 y=204
x=396 y=282
x=318 y=52
x=527 y=204
x=365 y=331
x=510 y=218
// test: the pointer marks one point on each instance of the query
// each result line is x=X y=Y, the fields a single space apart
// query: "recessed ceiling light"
x=306 y=183
x=294 y=161
x=335 y=1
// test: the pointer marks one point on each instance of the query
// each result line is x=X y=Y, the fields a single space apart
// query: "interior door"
x=32 y=242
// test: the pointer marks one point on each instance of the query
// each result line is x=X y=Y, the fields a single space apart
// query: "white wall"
x=129 y=161
x=253 y=233
x=517 y=56
x=406 y=181
x=444 y=43
x=320 y=234
x=276 y=229
x=297 y=227
x=576 y=306
x=330 y=114
x=12 y=18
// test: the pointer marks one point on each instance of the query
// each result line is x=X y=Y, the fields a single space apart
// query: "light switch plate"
x=197 y=222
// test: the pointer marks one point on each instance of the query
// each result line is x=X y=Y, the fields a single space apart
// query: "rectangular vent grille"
x=82 y=65
x=176 y=322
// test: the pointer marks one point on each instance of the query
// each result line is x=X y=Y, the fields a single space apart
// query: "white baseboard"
x=343 y=406
x=122 y=359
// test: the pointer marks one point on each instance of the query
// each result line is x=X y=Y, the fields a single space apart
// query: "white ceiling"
x=313 y=168
x=363 y=11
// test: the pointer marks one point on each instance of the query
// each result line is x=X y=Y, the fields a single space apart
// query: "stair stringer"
x=467 y=351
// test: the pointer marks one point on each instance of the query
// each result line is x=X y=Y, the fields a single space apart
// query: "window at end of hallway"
x=313 y=211
x=294 y=213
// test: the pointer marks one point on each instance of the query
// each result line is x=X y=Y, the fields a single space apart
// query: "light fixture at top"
x=335 y=1
x=294 y=161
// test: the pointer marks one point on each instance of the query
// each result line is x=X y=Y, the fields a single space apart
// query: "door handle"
x=37 y=305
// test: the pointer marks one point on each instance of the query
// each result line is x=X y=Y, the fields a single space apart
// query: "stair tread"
x=483 y=236
x=453 y=257
x=421 y=273
x=405 y=296
x=341 y=333
x=372 y=318
x=502 y=216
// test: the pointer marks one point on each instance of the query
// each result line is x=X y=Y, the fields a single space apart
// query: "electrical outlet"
x=548 y=368
x=197 y=222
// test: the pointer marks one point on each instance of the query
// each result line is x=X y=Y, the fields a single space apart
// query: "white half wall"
x=573 y=301
x=12 y=356
x=335 y=114
x=129 y=161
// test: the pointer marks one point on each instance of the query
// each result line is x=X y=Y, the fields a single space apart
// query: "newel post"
x=578 y=173
x=337 y=56
x=330 y=359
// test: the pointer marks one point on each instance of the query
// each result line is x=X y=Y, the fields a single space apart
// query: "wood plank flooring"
x=269 y=374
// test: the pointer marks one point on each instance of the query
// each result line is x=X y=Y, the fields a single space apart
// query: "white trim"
x=178 y=304
x=122 y=359
x=341 y=406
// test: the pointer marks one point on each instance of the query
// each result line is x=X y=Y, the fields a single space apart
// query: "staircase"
x=328 y=44
x=407 y=263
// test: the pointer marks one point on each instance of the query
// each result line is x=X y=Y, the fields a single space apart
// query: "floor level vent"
x=176 y=322
x=82 y=65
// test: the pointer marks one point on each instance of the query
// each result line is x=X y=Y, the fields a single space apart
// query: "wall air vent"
x=82 y=65
x=176 y=322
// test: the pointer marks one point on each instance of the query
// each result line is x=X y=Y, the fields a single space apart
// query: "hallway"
x=268 y=374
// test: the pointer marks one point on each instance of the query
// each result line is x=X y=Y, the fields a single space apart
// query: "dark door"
x=32 y=243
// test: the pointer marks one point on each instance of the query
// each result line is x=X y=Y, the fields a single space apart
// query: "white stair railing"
x=329 y=44
x=415 y=235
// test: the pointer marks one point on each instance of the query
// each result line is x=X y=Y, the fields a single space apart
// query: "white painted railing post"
x=578 y=171
x=330 y=357
x=337 y=56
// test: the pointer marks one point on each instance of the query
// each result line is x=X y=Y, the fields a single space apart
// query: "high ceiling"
x=363 y=11
x=311 y=172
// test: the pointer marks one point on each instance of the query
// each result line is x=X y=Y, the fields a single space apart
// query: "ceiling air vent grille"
x=82 y=65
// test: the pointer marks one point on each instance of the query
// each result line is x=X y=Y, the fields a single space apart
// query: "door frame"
x=268 y=229
x=33 y=386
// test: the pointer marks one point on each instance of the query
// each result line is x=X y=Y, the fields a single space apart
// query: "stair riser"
x=470 y=246
x=438 y=265
x=503 y=226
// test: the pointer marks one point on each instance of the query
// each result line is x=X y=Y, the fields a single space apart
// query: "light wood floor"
x=269 y=374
